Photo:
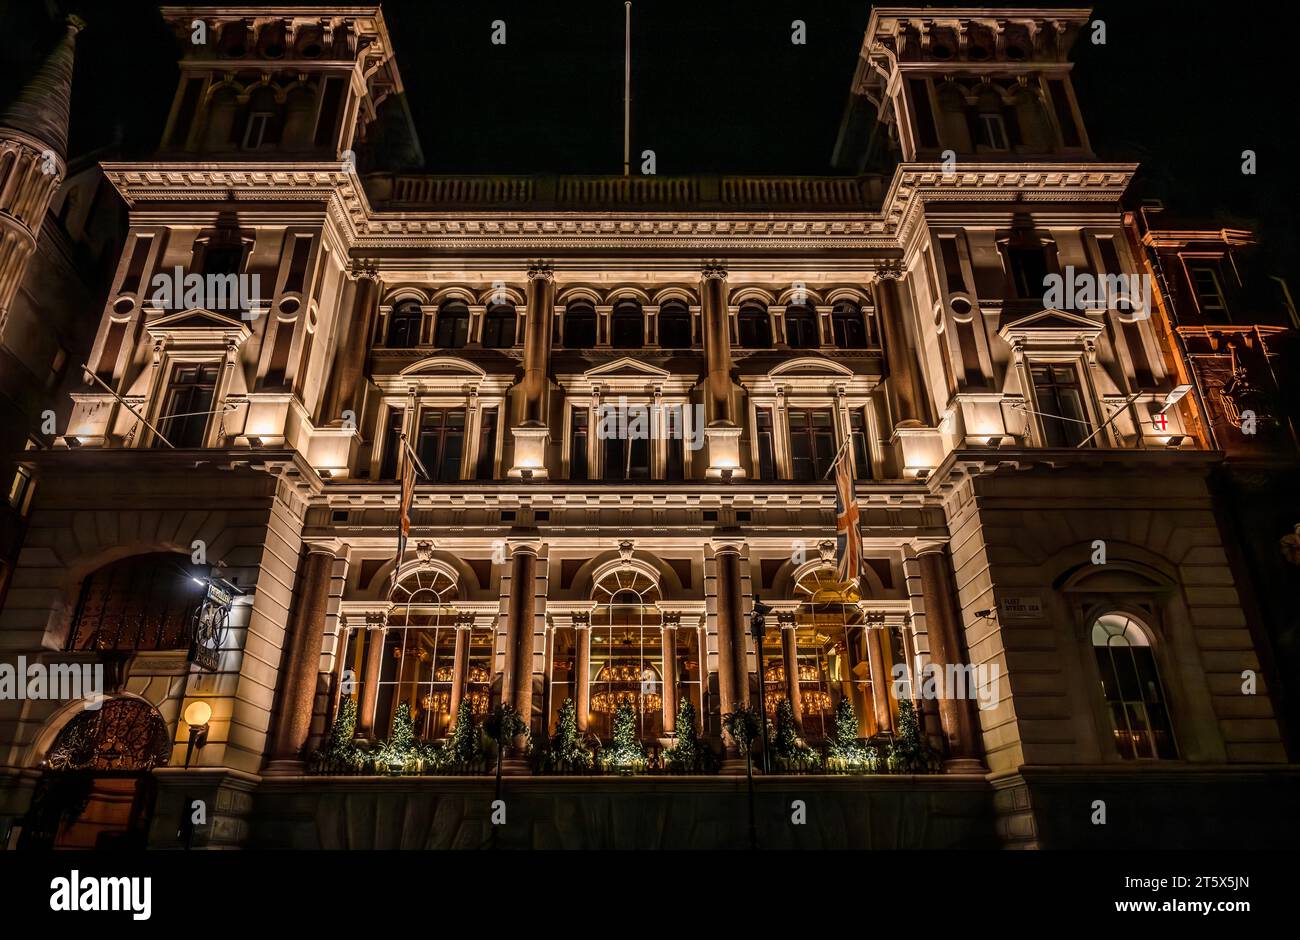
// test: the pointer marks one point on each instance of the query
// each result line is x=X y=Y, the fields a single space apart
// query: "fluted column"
x=354 y=344
x=300 y=665
x=721 y=433
x=460 y=666
x=531 y=434
x=790 y=662
x=370 y=680
x=907 y=396
x=877 y=655
x=958 y=716
x=582 y=678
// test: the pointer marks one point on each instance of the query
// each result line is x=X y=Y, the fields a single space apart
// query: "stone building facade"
x=1034 y=509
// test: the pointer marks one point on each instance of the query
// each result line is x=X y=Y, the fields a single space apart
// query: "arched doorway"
x=97 y=791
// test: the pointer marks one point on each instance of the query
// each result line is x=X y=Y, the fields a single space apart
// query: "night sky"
x=719 y=88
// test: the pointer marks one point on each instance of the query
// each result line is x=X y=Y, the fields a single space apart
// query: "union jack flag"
x=848 y=537
x=407 y=464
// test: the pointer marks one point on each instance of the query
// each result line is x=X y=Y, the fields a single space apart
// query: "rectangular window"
x=927 y=136
x=861 y=450
x=187 y=408
x=329 y=111
x=1208 y=288
x=298 y=264
x=675 y=456
x=564 y=671
x=952 y=264
x=626 y=459
x=392 y=444
x=1028 y=271
x=1064 y=113
x=766 y=444
x=440 y=442
x=255 y=131
x=993 y=131
x=487 y=445
x=135 y=269
x=20 y=490
x=1060 y=404
x=578 y=444
x=812 y=443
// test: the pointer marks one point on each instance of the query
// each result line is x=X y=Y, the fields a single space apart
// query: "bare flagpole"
x=627 y=87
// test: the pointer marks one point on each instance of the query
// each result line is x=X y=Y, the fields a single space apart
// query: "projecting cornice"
x=149 y=187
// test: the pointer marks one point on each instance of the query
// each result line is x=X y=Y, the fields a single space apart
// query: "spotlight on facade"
x=995 y=440
x=254 y=441
x=1174 y=397
x=727 y=472
x=1174 y=441
x=525 y=474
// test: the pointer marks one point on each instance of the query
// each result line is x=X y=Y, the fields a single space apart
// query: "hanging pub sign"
x=211 y=621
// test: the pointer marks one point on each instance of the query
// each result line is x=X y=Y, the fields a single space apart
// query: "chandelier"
x=638 y=691
x=811 y=700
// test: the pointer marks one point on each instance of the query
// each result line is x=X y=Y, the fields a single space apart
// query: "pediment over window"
x=811 y=365
x=444 y=365
x=627 y=368
x=199 y=325
x=1050 y=325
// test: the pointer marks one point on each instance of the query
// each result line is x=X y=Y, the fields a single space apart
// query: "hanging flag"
x=407 y=464
x=848 y=537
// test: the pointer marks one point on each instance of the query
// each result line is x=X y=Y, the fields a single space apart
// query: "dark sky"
x=718 y=87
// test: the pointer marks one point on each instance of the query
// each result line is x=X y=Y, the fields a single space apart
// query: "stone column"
x=907 y=397
x=370 y=680
x=531 y=435
x=790 y=662
x=877 y=655
x=958 y=716
x=460 y=665
x=582 y=677
x=300 y=663
x=517 y=683
x=353 y=344
x=668 y=633
x=733 y=676
x=721 y=433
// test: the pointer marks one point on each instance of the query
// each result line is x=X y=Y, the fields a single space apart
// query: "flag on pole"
x=407 y=464
x=848 y=537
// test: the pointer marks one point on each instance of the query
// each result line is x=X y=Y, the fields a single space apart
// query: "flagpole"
x=836 y=458
x=411 y=453
x=627 y=86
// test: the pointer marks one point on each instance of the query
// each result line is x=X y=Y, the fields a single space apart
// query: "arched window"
x=674 y=326
x=801 y=327
x=220 y=132
x=499 y=327
x=754 y=327
x=834 y=653
x=579 y=325
x=627 y=328
x=145 y=602
x=1130 y=686
x=626 y=654
x=262 y=121
x=453 y=325
x=418 y=665
x=850 y=332
x=404 y=324
x=122 y=735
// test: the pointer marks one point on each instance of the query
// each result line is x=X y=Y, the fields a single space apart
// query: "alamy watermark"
x=980 y=682
x=58 y=681
x=220 y=292
x=631 y=422
x=1082 y=290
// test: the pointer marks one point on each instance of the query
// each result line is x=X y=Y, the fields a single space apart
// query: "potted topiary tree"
x=688 y=753
x=626 y=754
x=792 y=753
x=568 y=752
x=910 y=753
x=845 y=752
x=463 y=750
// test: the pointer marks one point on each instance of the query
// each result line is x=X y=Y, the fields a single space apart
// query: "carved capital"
x=625 y=549
x=889 y=271
x=540 y=271
x=714 y=270
x=363 y=269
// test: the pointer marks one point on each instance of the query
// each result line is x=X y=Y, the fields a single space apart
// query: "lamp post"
x=758 y=627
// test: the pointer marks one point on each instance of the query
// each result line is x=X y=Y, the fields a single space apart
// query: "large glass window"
x=404 y=325
x=188 y=406
x=440 y=442
x=834 y=662
x=418 y=665
x=564 y=671
x=1130 y=686
x=392 y=444
x=578 y=444
x=689 y=672
x=626 y=654
x=579 y=326
x=453 y=326
x=1060 y=404
x=487 y=445
x=1028 y=270
x=861 y=450
x=812 y=443
x=766 y=444
x=850 y=332
x=1208 y=288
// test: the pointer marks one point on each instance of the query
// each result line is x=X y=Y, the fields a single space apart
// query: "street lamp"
x=196 y=716
x=757 y=627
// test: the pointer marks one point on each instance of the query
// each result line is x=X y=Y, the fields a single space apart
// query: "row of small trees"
x=472 y=745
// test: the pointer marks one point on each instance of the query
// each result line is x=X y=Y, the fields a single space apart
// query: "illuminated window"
x=145 y=602
x=626 y=654
x=1130 y=686
x=404 y=325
